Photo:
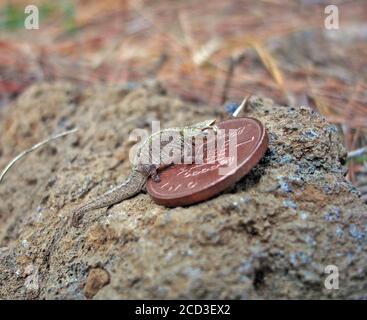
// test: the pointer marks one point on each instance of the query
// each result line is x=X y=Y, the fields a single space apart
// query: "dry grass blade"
x=357 y=153
x=241 y=106
x=36 y=146
x=322 y=106
x=206 y=51
x=270 y=63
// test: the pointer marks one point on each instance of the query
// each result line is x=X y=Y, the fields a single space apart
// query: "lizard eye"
x=210 y=127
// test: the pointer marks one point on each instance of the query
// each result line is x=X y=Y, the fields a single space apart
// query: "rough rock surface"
x=270 y=236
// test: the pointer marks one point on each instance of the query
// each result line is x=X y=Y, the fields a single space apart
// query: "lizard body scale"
x=144 y=166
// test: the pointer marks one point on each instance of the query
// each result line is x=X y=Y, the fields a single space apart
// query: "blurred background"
x=205 y=52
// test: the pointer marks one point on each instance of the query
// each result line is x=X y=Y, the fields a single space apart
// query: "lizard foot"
x=76 y=219
x=154 y=173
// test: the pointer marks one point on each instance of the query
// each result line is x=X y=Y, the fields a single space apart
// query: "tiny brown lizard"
x=144 y=166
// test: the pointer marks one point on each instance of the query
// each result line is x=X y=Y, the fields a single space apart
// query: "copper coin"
x=185 y=184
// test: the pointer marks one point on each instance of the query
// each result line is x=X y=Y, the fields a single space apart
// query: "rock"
x=96 y=280
x=270 y=236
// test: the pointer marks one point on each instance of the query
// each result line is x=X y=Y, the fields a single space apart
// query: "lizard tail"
x=132 y=186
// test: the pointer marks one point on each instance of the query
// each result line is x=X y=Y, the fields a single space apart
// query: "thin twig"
x=233 y=62
x=36 y=146
x=357 y=153
x=240 y=107
x=158 y=65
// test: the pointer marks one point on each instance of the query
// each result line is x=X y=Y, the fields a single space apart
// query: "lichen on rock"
x=269 y=236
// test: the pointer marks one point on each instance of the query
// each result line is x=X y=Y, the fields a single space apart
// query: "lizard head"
x=202 y=127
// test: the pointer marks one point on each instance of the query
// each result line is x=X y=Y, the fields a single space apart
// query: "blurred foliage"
x=12 y=17
x=360 y=160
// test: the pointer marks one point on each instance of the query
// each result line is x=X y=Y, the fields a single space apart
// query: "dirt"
x=270 y=236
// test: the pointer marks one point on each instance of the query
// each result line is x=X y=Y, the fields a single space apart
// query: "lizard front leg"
x=153 y=172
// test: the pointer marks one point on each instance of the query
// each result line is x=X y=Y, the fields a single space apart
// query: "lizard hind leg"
x=76 y=219
x=127 y=189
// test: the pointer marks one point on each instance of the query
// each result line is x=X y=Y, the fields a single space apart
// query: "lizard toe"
x=156 y=178
x=76 y=220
